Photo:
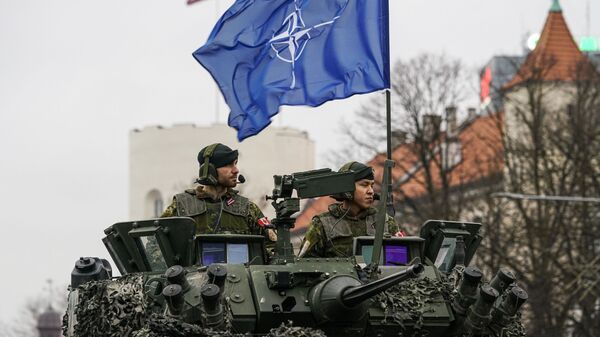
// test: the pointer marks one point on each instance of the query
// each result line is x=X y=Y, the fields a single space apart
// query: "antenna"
x=49 y=285
x=587 y=19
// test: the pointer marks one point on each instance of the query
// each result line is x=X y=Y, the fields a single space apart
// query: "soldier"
x=214 y=205
x=331 y=233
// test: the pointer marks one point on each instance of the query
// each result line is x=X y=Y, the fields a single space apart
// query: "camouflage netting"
x=160 y=326
x=516 y=329
x=168 y=327
x=119 y=308
x=408 y=300
x=110 y=308
x=294 y=331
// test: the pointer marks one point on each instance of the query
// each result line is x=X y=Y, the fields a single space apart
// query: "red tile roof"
x=481 y=157
x=556 y=56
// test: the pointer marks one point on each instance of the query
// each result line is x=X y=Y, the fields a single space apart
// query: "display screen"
x=213 y=252
x=392 y=255
x=396 y=255
x=220 y=252
x=367 y=253
x=237 y=253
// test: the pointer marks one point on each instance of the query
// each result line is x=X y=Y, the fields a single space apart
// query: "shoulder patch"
x=400 y=234
x=263 y=222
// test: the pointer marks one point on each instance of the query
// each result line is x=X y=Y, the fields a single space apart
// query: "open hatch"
x=442 y=238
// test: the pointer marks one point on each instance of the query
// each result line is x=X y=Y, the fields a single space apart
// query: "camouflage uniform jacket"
x=331 y=233
x=231 y=214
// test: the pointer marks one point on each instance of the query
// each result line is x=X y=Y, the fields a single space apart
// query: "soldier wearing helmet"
x=214 y=205
x=331 y=233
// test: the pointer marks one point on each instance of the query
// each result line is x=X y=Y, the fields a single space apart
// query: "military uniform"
x=331 y=233
x=231 y=214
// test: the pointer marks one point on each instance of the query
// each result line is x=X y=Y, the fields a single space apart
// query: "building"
x=163 y=162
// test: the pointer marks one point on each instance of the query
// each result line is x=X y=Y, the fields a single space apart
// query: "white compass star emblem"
x=290 y=43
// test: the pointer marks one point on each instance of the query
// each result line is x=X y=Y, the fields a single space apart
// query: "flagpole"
x=388 y=122
x=386 y=205
x=390 y=199
x=388 y=114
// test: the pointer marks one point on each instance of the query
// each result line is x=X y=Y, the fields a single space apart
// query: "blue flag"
x=268 y=53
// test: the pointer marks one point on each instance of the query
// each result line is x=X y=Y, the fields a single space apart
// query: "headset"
x=207 y=172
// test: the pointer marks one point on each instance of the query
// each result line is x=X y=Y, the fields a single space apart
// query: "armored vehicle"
x=176 y=283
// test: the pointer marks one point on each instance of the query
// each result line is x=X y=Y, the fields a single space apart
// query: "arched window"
x=154 y=205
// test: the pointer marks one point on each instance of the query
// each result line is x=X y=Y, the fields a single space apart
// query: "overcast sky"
x=77 y=75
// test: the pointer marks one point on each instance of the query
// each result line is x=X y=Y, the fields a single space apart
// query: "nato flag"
x=268 y=53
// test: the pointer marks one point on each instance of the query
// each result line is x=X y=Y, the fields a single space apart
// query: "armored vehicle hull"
x=233 y=290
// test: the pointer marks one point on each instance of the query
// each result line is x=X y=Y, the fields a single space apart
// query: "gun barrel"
x=353 y=296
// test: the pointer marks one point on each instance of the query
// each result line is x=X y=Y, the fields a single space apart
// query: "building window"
x=154 y=204
x=158 y=207
x=451 y=154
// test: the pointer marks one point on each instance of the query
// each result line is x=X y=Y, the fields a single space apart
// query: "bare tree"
x=425 y=92
x=546 y=143
x=426 y=84
x=551 y=140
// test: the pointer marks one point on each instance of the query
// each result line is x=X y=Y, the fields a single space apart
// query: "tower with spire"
x=49 y=323
x=548 y=118
x=550 y=72
x=556 y=56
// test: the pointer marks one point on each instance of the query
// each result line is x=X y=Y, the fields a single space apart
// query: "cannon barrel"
x=355 y=295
